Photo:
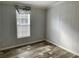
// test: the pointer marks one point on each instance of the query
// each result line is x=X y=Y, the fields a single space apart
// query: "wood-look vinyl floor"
x=37 y=50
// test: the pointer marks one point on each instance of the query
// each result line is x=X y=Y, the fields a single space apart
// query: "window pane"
x=23 y=24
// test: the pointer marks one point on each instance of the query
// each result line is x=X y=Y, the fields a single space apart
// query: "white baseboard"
x=73 y=52
x=21 y=44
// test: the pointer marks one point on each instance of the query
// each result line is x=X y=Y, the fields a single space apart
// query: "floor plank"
x=37 y=50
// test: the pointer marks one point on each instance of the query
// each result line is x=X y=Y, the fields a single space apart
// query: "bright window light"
x=23 y=23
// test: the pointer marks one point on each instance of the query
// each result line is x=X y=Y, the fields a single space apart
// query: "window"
x=23 y=23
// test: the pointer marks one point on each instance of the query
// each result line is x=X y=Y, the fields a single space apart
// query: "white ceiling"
x=42 y=4
x=39 y=4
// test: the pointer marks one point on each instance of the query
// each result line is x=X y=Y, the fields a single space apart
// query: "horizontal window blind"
x=23 y=22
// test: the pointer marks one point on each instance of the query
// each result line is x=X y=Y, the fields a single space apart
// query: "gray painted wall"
x=8 y=26
x=63 y=25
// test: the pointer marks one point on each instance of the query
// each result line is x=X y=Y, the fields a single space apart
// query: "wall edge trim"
x=63 y=47
x=21 y=44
